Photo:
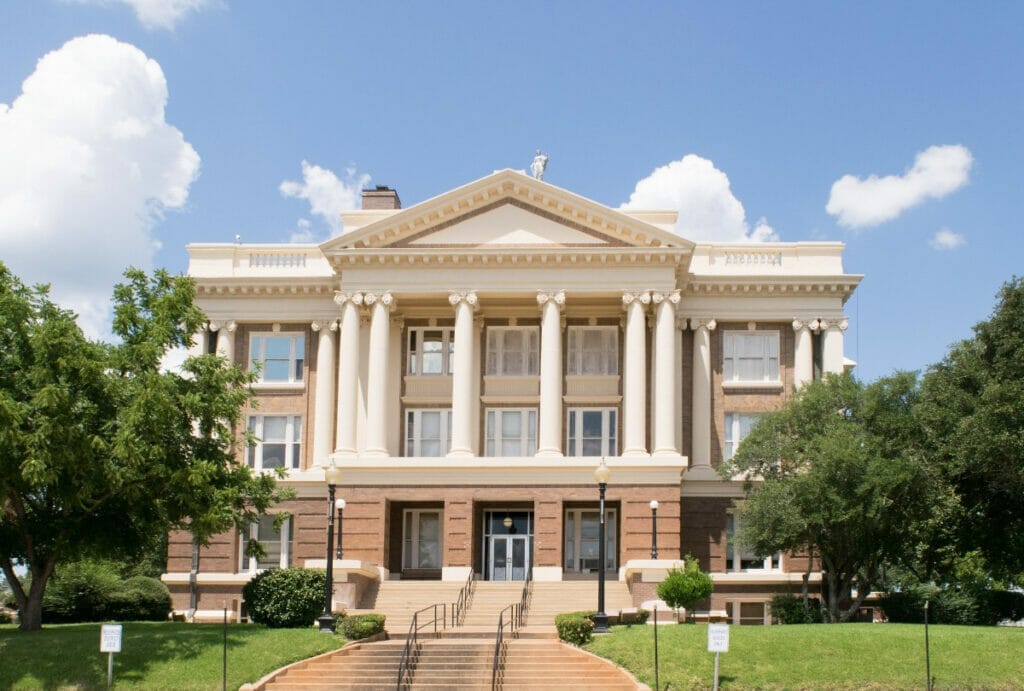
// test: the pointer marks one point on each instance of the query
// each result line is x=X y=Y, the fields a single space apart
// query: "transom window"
x=276 y=544
x=428 y=432
x=741 y=559
x=512 y=350
x=593 y=350
x=278 y=357
x=511 y=432
x=592 y=432
x=278 y=442
x=751 y=356
x=422 y=539
x=737 y=427
x=431 y=351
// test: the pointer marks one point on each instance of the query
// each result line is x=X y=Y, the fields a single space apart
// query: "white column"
x=225 y=339
x=803 y=354
x=200 y=341
x=348 y=371
x=377 y=378
x=634 y=375
x=550 y=415
x=832 y=345
x=700 y=458
x=665 y=372
x=323 y=415
x=463 y=375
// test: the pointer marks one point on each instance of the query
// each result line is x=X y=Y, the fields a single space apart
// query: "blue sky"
x=183 y=127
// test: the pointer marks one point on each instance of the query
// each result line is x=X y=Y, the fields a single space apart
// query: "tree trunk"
x=30 y=610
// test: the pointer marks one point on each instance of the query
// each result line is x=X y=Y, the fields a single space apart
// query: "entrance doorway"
x=508 y=545
x=582 y=540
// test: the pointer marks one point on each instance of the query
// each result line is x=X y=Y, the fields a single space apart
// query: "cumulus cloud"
x=703 y=196
x=327 y=194
x=937 y=171
x=156 y=14
x=946 y=239
x=88 y=167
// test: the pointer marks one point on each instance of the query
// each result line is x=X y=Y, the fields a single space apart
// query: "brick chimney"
x=381 y=197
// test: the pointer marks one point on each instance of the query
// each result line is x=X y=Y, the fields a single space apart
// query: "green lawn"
x=155 y=655
x=846 y=656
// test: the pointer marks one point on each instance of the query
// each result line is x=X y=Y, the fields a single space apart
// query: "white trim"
x=414 y=357
x=414 y=539
x=292 y=442
x=576 y=352
x=493 y=437
x=257 y=353
x=771 y=346
x=444 y=429
x=284 y=538
x=609 y=430
x=495 y=347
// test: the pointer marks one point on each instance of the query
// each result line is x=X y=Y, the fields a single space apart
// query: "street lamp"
x=654 y=528
x=340 y=504
x=332 y=476
x=601 y=474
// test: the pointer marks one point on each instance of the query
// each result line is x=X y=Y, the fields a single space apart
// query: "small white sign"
x=110 y=638
x=718 y=638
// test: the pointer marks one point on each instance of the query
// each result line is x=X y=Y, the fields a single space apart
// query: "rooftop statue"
x=539 y=165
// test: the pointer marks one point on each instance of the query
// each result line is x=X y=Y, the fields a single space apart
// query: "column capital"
x=468 y=297
x=642 y=297
x=800 y=324
x=331 y=325
x=228 y=326
x=340 y=298
x=659 y=297
x=386 y=299
x=842 y=324
x=697 y=324
x=556 y=297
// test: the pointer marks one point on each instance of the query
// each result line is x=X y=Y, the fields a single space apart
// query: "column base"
x=460 y=453
x=549 y=453
x=665 y=452
x=376 y=453
x=638 y=451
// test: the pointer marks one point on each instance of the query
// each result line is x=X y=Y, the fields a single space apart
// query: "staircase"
x=551 y=598
x=399 y=600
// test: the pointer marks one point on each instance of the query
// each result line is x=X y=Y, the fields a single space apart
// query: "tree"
x=837 y=473
x=686 y=587
x=101 y=451
x=971 y=411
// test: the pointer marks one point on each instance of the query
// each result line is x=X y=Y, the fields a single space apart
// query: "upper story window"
x=737 y=427
x=741 y=559
x=511 y=432
x=278 y=357
x=592 y=432
x=428 y=432
x=278 y=442
x=276 y=544
x=593 y=350
x=750 y=356
x=512 y=350
x=431 y=351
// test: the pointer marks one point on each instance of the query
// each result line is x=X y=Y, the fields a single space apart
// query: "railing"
x=411 y=652
x=524 y=599
x=513 y=615
x=461 y=605
x=277 y=259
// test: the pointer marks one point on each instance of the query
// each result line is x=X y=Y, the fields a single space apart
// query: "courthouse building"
x=467 y=363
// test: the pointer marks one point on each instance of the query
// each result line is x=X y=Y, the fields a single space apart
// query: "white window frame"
x=296 y=356
x=498 y=355
x=573 y=538
x=493 y=425
x=734 y=431
x=414 y=363
x=414 y=430
x=292 y=442
x=284 y=537
x=609 y=352
x=734 y=556
x=609 y=431
x=411 y=541
x=736 y=615
x=732 y=357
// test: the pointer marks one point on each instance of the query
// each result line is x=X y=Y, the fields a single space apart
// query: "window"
x=422 y=539
x=428 y=432
x=751 y=356
x=592 y=432
x=746 y=613
x=583 y=541
x=511 y=432
x=740 y=559
x=276 y=544
x=593 y=350
x=512 y=350
x=431 y=351
x=737 y=427
x=278 y=442
x=278 y=357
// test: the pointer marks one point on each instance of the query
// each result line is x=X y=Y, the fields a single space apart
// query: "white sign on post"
x=110 y=638
x=718 y=638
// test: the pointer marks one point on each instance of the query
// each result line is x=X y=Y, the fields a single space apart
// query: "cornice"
x=843 y=285
x=514 y=255
x=276 y=287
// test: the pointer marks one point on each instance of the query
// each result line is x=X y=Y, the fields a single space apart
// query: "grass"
x=846 y=656
x=154 y=655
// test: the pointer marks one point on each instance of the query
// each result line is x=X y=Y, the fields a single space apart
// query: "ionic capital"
x=842 y=324
x=557 y=298
x=697 y=324
x=385 y=299
x=341 y=298
x=643 y=297
x=331 y=325
x=799 y=325
x=659 y=297
x=469 y=297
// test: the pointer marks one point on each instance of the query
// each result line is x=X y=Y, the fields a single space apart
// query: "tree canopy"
x=101 y=452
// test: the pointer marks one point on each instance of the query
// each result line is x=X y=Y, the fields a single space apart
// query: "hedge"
x=951 y=606
x=285 y=598
x=359 y=626
x=790 y=609
x=92 y=590
x=575 y=627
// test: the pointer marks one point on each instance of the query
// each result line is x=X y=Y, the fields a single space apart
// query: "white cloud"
x=937 y=171
x=303 y=232
x=88 y=167
x=702 y=195
x=327 y=195
x=156 y=14
x=946 y=239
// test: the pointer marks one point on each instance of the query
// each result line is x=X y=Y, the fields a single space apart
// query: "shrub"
x=285 y=598
x=790 y=609
x=1000 y=605
x=575 y=627
x=361 y=626
x=952 y=606
x=687 y=587
x=80 y=591
x=140 y=599
x=5 y=617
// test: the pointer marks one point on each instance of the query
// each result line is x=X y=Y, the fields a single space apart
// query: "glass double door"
x=508 y=545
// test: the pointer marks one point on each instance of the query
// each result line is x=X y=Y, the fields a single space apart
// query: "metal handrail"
x=524 y=599
x=412 y=640
x=515 y=617
x=461 y=605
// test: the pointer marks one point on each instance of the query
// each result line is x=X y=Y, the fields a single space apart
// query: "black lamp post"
x=654 y=528
x=601 y=474
x=340 y=505
x=332 y=476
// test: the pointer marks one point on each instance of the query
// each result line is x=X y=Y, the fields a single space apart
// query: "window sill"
x=278 y=386
x=756 y=385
